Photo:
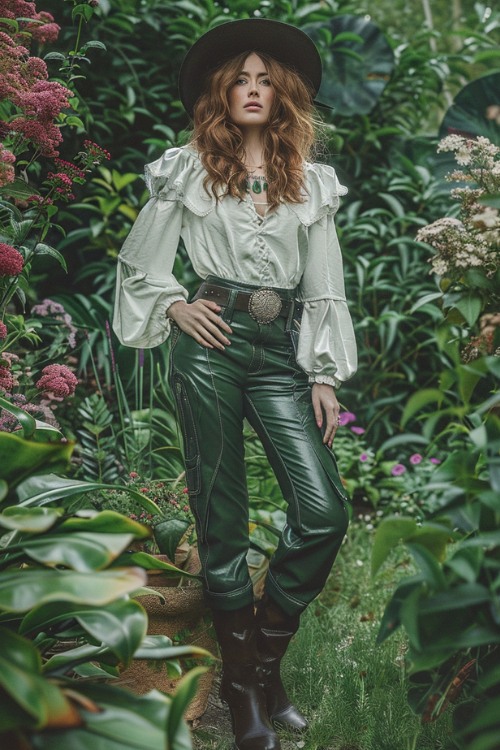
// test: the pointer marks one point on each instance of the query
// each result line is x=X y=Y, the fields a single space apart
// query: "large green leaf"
x=391 y=619
x=121 y=721
x=421 y=399
x=168 y=534
x=150 y=562
x=429 y=566
x=357 y=62
x=20 y=677
x=121 y=625
x=80 y=551
x=40 y=490
x=22 y=458
x=66 y=660
x=105 y=521
x=470 y=305
x=21 y=590
x=390 y=532
x=467 y=113
x=466 y=116
x=459 y=597
x=31 y=520
x=160 y=647
x=184 y=694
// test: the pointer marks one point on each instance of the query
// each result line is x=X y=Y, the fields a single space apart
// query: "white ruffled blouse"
x=295 y=245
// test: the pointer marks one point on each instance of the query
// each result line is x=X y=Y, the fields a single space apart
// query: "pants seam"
x=283 y=592
x=282 y=462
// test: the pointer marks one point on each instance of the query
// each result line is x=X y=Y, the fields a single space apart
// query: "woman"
x=257 y=222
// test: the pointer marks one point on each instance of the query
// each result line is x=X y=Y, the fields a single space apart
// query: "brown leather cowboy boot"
x=240 y=686
x=274 y=631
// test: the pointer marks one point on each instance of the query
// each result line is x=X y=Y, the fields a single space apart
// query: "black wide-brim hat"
x=281 y=41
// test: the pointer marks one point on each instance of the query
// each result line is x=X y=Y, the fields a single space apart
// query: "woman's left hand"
x=326 y=410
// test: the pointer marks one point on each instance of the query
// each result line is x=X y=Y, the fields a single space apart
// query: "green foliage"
x=66 y=584
x=98 y=448
x=357 y=63
x=449 y=609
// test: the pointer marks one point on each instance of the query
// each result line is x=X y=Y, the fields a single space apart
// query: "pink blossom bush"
x=6 y=379
x=34 y=102
x=7 y=160
x=11 y=260
x=57 y=379
x=3 y=330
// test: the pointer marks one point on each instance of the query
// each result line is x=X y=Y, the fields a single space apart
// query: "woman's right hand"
x=200 y=320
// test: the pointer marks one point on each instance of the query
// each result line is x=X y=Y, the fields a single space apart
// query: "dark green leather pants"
x=257 y=377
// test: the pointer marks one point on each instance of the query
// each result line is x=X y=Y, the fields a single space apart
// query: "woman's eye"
x=240 y=81
x=266 y=81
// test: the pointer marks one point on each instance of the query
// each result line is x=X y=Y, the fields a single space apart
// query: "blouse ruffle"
x=178 y=175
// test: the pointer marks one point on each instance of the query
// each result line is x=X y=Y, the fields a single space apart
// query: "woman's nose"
x=253 y=90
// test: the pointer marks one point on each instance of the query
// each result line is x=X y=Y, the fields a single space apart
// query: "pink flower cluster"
x=51 y=308
x=6 y=378
x=35 y=101
x=61 y=184
x=45 y=32
x=42 y=27
x=415 y=459
x=11 y=260
x=346 y=417
x=57 y=380
x=70 y=169
x=93 y=155
x=7 y=160
x=3 y=330
x=8 y=423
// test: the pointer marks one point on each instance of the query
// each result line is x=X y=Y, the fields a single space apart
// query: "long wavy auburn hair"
x=288 y=135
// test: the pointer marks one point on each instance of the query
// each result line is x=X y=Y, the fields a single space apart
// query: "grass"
x=352 y=690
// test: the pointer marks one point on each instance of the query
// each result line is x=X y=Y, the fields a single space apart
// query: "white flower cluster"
x=473 y=239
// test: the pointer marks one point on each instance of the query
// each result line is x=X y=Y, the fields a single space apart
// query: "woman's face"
x=251 y=97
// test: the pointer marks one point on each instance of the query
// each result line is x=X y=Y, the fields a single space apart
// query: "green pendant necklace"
x=256 y=184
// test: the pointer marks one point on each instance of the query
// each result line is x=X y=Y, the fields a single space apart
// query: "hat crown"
x=281 y=41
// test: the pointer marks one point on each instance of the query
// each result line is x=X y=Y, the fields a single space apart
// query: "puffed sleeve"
x=327 y=345
x=145 y=285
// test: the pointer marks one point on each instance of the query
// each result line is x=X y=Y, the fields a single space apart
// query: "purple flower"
x=345 y=417
x=435 y=460
x=397 y=470
x=363 y=457
x=357 y=430
x=415 y=459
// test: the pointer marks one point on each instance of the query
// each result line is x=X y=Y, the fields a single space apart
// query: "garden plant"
x=90 y=452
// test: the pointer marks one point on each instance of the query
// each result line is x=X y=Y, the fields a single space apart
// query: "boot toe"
x=290 y=719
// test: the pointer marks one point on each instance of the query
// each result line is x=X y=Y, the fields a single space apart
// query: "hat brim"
x=281 y=41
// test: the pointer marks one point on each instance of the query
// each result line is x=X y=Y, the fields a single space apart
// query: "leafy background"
x=419 y=450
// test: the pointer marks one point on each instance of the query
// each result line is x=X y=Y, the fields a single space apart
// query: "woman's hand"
x=326 y=410
x=200 y=320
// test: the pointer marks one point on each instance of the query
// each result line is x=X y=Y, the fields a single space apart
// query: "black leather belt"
x=263 y=305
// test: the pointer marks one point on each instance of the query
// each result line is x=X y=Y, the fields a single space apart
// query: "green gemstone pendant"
x=256 y=187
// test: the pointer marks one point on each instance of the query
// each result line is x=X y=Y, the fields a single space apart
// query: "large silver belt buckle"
x=264 y=305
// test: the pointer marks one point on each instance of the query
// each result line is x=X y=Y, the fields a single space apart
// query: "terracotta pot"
x=183 y=614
